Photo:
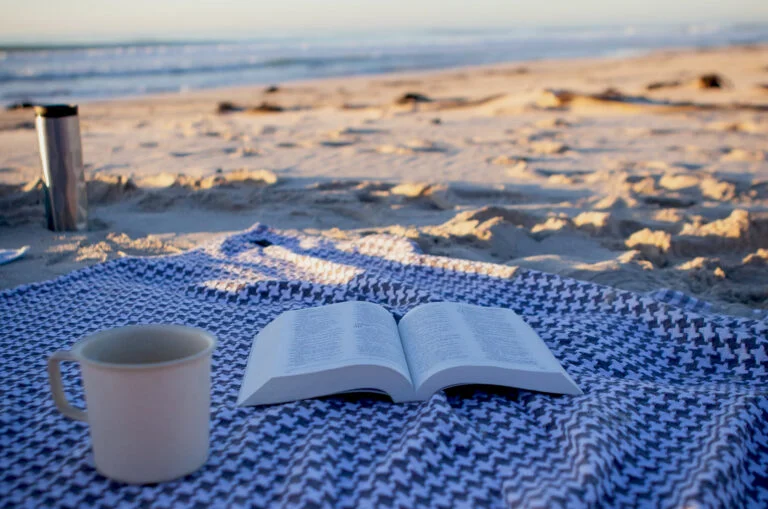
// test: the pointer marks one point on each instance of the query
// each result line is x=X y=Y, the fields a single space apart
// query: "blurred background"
x=52 y=51
x=616 y=142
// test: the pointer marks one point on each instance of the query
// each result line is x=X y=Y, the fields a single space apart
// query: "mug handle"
x=57 y=389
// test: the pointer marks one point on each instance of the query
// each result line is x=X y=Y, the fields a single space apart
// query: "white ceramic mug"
x=147 y=395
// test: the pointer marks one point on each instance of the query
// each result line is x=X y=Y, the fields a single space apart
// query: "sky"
x=88 y=20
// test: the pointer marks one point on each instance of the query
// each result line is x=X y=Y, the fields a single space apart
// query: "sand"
x=626 y=172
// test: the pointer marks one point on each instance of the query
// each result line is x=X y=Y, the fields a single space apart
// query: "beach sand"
x=633 y=172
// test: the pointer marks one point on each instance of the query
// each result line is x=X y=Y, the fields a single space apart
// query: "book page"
x=505 y=339
x=314 y=337
x=325 y=350
x=341 y=335
x=432 y=338
x=439 y=336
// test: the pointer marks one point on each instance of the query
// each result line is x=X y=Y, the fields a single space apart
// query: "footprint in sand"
x=669 y=200
x=292 y=144
x=111 y=167
x=719 y=190
x=548 y=147
x=427 y=146
x=738 y=154
x=740 y=231
x=480 y=141
x=356 y=131
x=413 y=146
x=504 y=160
x=476 y=193
x=334 y=185
x=245 y=152
x=516 y=167
x=679 y=181
x=392 y=149
x=222 y=191
x=564 y=177
x=758 y=191
x=268 y=129
x=105 y=189
x=357 y=106
x=738 y=127
x=337 y=143
x=552 y=123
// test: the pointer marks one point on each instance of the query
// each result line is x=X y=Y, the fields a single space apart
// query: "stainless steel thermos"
x=66 y=203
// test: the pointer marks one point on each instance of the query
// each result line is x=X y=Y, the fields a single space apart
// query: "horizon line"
x=99 y=41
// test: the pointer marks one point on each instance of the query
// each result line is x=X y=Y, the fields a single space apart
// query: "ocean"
x=52 y=73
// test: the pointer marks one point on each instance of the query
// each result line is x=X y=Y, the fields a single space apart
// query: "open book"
x=358 y=346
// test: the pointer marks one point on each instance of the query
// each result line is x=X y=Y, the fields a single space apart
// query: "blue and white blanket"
x=674 y=411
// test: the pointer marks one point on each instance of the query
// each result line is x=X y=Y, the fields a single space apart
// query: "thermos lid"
x=56 y=110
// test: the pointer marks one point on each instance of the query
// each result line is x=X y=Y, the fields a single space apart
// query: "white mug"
x=147 y=396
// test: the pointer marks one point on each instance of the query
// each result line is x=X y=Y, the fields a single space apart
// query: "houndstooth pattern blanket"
x=674 y=411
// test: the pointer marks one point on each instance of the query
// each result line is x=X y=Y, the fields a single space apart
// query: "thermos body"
x=66 y=203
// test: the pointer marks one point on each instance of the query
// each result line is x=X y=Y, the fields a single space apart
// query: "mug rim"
x=77 y=348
